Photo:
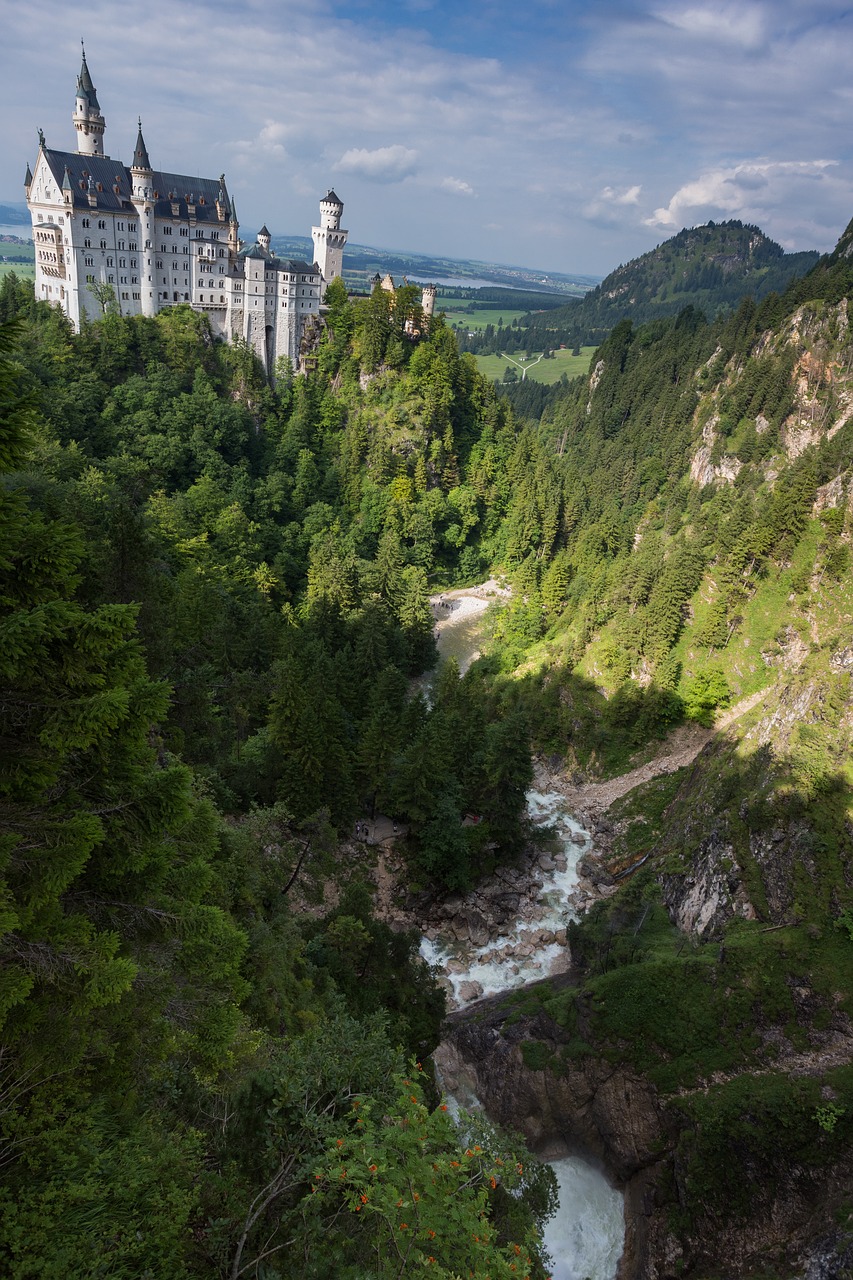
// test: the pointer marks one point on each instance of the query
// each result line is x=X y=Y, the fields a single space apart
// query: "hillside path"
x=680 y=748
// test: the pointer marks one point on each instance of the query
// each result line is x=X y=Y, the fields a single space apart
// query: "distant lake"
x=24 y=231
x=455 y=282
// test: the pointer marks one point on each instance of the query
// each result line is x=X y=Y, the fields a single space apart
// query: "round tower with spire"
x=329 y=238
x=88 y=120
x=142 y=195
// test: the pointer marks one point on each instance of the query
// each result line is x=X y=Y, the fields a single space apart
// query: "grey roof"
x=293 y=265
x=140 y=152
x=28 y=180
x=263 y=232
x=255 y=251
x=112 y=185
x=85 y=88
x=331 y=198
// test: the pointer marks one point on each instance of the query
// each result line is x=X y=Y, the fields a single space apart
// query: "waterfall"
x=585 y=1236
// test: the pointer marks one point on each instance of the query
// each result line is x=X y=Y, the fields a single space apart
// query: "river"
x=585 y=1236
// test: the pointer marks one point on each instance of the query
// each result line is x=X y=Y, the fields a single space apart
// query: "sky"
x=564 y=135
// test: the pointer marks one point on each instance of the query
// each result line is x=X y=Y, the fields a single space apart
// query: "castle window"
x=85 y=221
x=124 y=295
x=121 y=226
x=90 y=279
x=184 y=231
x=121 y=244
x=131 y=226
x=103 y=244
x=221 y=252
x=122 y=262
x=215 y=235
x=90 y=262
x=111 y=279
x=102 y=226
x=109 y=262
x=87 y=243
x=199 y=234
x=134 y=279
x=136 y=296
x=174 y=248
x=167 y=231
x=132 y=246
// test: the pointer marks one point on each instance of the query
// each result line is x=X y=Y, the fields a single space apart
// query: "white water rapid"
x=585 y=1236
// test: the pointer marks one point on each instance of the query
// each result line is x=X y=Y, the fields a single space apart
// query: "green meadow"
x=547 y=371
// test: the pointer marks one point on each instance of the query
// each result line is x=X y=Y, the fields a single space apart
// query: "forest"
x=215 y=601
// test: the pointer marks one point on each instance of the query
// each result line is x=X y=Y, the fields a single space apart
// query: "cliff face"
x=612 y=1114
x=607 y=1113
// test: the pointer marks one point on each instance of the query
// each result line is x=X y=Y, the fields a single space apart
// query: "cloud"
x=384 y=164
x=631 y=196
x=743 y=27
x=456 y=186
x=611 y=206
x=735 y=192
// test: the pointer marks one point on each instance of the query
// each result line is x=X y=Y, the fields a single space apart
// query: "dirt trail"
x=680 y=748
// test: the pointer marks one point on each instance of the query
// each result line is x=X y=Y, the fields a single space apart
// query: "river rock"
x=546 y=862
x=469 y=991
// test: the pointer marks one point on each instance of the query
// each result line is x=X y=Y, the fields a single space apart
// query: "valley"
x=256 y=769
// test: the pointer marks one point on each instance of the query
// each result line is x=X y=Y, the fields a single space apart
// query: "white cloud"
x=739 y=191
x=383 y=164
x=456 y=186
x=629 y=196
x=742 y=26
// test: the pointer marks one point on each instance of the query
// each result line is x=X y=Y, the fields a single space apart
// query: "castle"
x=144 y=240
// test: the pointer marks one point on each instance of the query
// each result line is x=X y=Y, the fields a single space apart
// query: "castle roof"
x=293 y=266
x=112 y=185
x=140 y=153
x=331 y=198
x=85 y=88
x=263 y=232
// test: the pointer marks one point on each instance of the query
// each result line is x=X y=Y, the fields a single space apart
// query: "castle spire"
x=88 y=120
x=140 y=152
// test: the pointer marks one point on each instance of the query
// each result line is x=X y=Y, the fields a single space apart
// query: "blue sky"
x=567 y=136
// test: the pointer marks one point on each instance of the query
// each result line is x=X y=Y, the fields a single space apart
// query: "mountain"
x=14 y=215
x=710 y=267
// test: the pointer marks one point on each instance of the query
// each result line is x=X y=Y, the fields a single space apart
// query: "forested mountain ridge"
x=682 y=527
x=711 y=268
x=223 y=588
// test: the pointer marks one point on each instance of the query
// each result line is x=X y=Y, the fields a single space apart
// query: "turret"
x=142 y=176
x=264 y=238
x=428 y=300
x=222 y=208
x=28 y=181
x=142 y=195
x=233 y=229
x=87 y=117
x=329 y=238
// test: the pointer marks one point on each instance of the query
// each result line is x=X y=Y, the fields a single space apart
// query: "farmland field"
x=24 y=270
x=547 y=371
x=460 y=312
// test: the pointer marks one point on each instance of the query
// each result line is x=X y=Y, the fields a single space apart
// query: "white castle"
x=144 y=240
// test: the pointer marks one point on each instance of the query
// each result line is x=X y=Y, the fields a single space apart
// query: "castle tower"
x=87 y=117
x=264 y=238
x=142 y=195
x=329 y=239
x=428 y=300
